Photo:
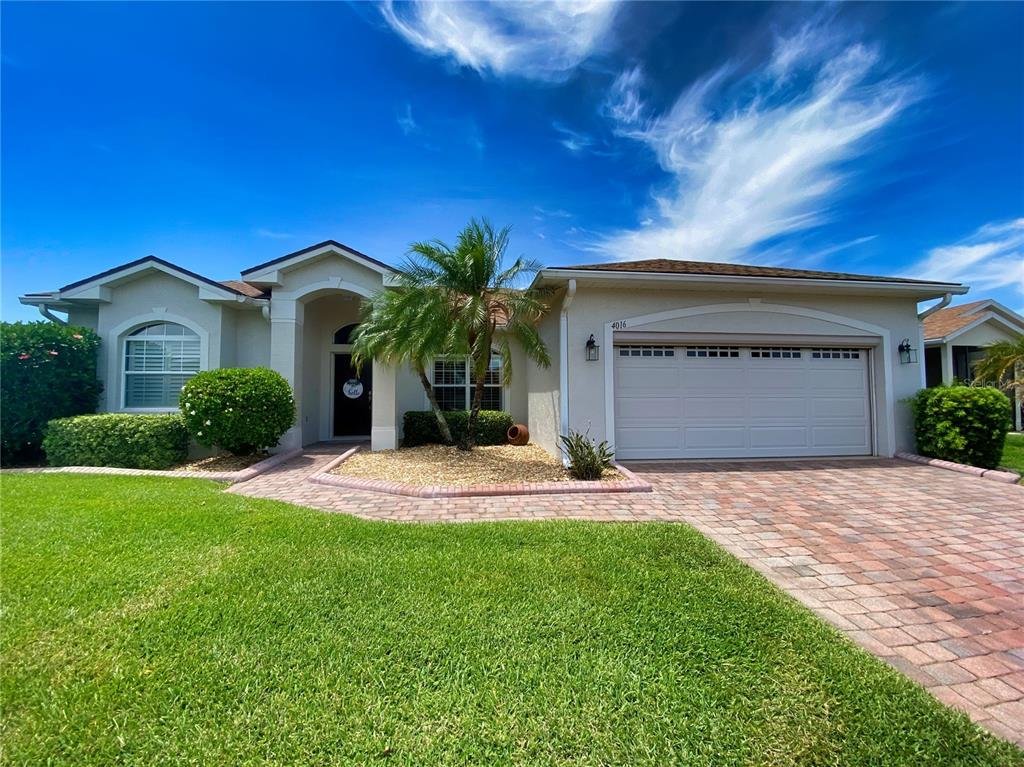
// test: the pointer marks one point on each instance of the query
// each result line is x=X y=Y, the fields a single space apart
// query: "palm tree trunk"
x=481 y=367
x=442 y=422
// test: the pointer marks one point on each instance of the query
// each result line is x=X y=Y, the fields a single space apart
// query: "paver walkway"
x=921 y=566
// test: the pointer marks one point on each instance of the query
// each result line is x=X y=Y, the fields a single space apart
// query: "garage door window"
x=835 y=354
x=774 y=353
x=713 y=351
x=647 y=351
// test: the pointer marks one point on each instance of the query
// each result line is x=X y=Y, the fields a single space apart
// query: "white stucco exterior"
x=284 y=315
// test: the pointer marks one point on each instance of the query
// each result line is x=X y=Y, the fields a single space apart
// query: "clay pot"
x=518 y=434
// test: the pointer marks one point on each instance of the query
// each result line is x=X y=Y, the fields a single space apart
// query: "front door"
x=352 y=398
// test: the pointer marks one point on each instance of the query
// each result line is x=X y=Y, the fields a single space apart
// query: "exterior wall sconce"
x=593 y=350
x=907 y=354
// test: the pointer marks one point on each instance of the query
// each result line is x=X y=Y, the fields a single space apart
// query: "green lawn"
x=157 y=621
x=1013 y=452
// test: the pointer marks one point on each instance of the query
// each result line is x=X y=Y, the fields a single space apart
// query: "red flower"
x=24 y=356
x=77 y=336
x=52 y=353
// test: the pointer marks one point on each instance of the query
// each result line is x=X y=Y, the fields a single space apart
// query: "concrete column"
x=947 y=363
x=384 y=424
x=286 y=358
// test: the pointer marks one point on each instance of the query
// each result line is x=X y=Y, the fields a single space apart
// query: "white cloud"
x=405 y=121
x=273 y=235
x=536 y=40
x=991 y=258
x=575 y=141
x=755 y=157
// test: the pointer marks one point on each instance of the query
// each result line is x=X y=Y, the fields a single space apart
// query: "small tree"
x=406 y=325
x=481 y=303
x=1003 y=366
x=242 y=410
x=47 y=371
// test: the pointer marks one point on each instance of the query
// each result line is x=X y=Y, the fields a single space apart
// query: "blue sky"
x=873 y=138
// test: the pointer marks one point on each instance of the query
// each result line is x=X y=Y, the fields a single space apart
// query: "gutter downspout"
x=932 y=309
x=563 y=367
x=45 y=311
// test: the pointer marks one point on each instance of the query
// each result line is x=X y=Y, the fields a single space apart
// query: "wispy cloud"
x=273 y=235
x=989 y=259
x=537 y=40
x=574 y=141
x=755 y=157
x=542 y=213
x=405 y=121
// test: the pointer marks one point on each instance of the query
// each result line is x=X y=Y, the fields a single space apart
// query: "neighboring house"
x=955 y=339
x=689 y=359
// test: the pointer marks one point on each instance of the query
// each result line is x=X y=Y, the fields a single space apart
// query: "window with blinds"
x=453 y=383
x=158 y=360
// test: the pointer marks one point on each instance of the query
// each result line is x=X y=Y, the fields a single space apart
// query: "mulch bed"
x=443 y=465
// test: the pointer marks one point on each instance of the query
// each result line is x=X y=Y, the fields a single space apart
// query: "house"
x=663 y=358
x=955 y=339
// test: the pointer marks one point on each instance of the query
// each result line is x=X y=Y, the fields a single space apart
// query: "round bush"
x=241 y=410
x=964 y=424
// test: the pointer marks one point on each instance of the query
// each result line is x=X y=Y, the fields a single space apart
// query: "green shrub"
x=587 y=458
x=420 y=427
x=964 y=424
x=128 y=440
x=47 y=371
x=242 y=410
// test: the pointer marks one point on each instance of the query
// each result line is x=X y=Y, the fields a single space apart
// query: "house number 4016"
x=618 y=325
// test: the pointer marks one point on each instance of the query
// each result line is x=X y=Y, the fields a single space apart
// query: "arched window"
x=344 y=335
x=158 y=359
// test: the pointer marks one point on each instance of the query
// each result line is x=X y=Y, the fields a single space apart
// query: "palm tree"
x=401 y=325
x=1003 y=364
x=484 y=310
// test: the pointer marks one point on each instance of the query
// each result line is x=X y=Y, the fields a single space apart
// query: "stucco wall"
x=153 y=297
x=593 y=308
x=323 y=317
x=543 y=388
x=984 y=334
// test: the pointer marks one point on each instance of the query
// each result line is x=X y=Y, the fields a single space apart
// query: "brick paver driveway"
x=921 y=566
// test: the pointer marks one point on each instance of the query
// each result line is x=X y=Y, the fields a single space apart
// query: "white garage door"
x=740 y=402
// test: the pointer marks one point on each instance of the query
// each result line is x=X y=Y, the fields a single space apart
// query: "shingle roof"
x=240 y=286
x=949 y=320
x=671 y=266
x=154 y=260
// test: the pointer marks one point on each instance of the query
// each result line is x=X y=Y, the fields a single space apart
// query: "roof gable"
x=951 y=321
x=313 y=252
x=91 y=286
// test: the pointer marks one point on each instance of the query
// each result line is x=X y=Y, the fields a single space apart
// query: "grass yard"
x=1013 y=453
x=154 y=621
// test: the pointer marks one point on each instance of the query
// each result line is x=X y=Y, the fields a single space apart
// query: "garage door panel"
x=787 y=378
x=778 y=407
x=650 y=407
x=841 y=436
x=652 y=438
x=779 y=436
x=696 y=437
x=839 y=407
x=759 y=405
x=714 y=407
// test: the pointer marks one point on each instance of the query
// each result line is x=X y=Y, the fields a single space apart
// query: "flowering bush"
x=46 y=371
x=241 y=410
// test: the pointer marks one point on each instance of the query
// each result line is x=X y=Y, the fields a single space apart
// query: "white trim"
x=506 y=389
x=756 y=305
x=563 y=360
x=96 y=290
x=925 y=288
x=334 y=283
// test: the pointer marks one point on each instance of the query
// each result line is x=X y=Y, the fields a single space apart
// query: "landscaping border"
x=994 y=474
x=235 y=477
x=631 y=484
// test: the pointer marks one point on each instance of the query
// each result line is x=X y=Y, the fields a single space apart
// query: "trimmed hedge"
x=420 y=427
x=964 y=424
x=117 y=439
x=47 y=371
x=242 y=410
